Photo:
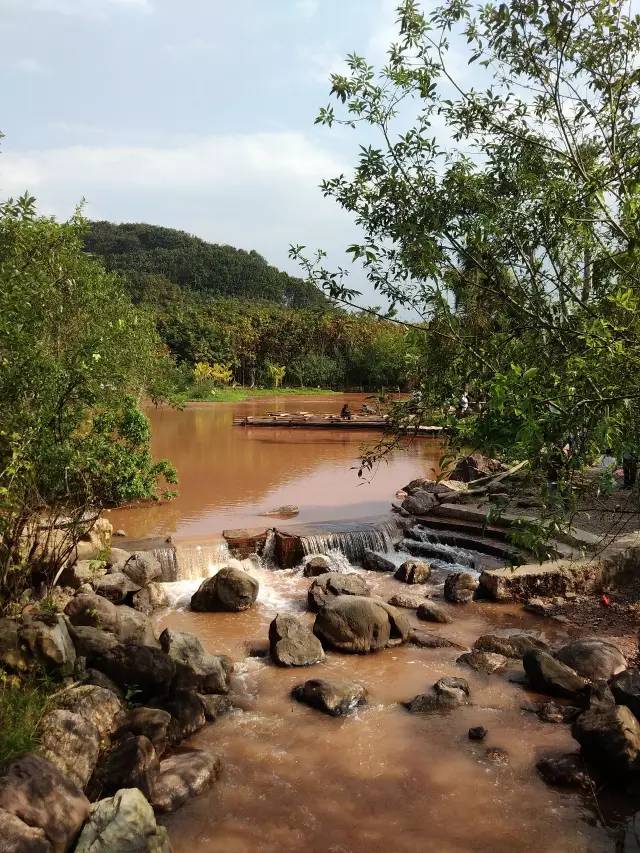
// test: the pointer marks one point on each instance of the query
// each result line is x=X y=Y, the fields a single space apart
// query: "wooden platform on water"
x=308 y=421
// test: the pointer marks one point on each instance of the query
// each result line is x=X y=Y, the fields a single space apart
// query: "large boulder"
x=552 y=677
x=18 y=837
x=145 y=668
x=49 y=643
x=408 y=602
x=460 y=587
x=184 y=776
x=89 y=641
x=610 y=739
x=326 y=587
x=445 y=695
x=353 y=623
x=413 y=571
x=485 y=662
x=318 y=565
x=81 y=572
x=186 y=711
x=593 y=659
x=12 y=655
x=94 y=610
x=425 y=640
x=124 y=823
x=131 y=763
x=292 y=643
x=39 y=794
x=626 y=690
x=152 y=723
x=420 y=502
x=429 y=611
x=116 y=587
x=72 y=743
x=214 y=706
x=134 y=627
x=195 y=668
x=336 y=698
x=142 y=568
x=375 y=562
x=511 y=646
x=99 y=707
x=230 y=589
x=152 y=597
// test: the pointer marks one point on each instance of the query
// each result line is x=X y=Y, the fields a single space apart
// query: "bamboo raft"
x=307 y=420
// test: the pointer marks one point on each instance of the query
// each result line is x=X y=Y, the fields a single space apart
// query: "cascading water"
x=188 y=562
x=352 y=543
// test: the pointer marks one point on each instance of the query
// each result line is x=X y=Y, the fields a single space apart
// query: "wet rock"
x=187 y=714
x=486 y=662
x=151 y=723
x=18 y=837
x=610 y=739
x=445 y=695
x=70 y=742
x=511 y=646
x=81 y=572
x=36 y=792
x=429 y=641
x=626 y=690
x=420 y=502
x=12 y=655
x=89 y=641
x=230 y=589
x=319 y=565
x=539 y=607
x=131 y=763
x=408 y=602
x=96 y=705
x=460 y=587
x=195 y=668
x=116 y=587
x=142 y=568
x=593 y=659
x=286 y=511
x=152 y=597
x=93 y=610
x=292 y=643
x=477 y=733
x=355 y=624
x=565 y=771
x=551 y=676
x=214 y=706
x=184 y=776
x=49 y=643
x=123 y=823
x=600 y=695
x=327 y=587
x=413 y=571
x=375 y=562
x=497 y=755
x=336 y=698
x=429 y=611
x=551 y=712
x=142 y=667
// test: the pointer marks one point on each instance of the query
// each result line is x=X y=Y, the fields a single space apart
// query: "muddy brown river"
x=382 y=779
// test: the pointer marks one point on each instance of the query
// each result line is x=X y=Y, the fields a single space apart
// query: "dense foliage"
x=75 y=358
x=502 y=204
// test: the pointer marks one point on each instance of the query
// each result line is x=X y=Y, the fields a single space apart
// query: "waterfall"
x=446 y=553
x=352 y=543
x=187 y=562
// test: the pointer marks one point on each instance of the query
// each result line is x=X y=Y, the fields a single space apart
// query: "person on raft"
x=345 y=412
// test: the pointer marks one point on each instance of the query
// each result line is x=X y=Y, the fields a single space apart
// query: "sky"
x=193 y=114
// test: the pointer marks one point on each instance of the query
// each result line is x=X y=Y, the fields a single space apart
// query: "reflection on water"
x=230 y=475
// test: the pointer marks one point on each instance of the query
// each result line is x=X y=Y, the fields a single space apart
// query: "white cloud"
x=81 y=8
x=28 y=65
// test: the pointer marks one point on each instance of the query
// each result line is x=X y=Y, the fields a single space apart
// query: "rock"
x=286 y=511
x=131 y=763
x=551 y=712
x=593 y=659
x=17 y=837
x=512 y=646
x=473 y=467
x=551 y=676
x=631 y=841
x=151 y=597
x=134 y=627
x=142 y=568
x=49 y=643
x=336 y=698
x=70 y=742
x=151 y=723
x=81 y=572
x=486 y=662
x=429 y=641
x=195 y=668
x=187 y=714
x=626 y=690
x=315 y=566
x=84 y=589
x=244 y=542
x=12 y=655
x=143 y=667
x=214 y=706
x=230 y=589
x=96 y=705
x=539 y=607
x=184 y=776
x=446 y=694
x=413 y=571
x=460 y=587
x=352 y=623
x=375 y=562
x=120 y=532
x=292 y=643
x=429 y=611
x=565 y=771
x=90 y=641
x=327 y=587
x=99 y=679
x=96 y=541
x=124 y=823
x=477 y=733
x=36 y=792
x=421 y=502
x=497 y=755
x=409 y=602
x=117 y=556
x=610 y=739
x=93 y=610
x=117 y=587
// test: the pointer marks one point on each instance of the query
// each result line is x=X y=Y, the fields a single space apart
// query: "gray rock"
x=81 y=572
x=352 y=623
x=327 y=587
x=93 y=610
x=511 y=646
x=116 y=587
x=70 y=742
x=593 y=659
x=99 y=679
x=152 y=597
x=565 y=771
x=117 y=556
x=229 y=590
x=94 y=704
x=445 y=695
x=49 y=643
x=183 y=776
x=151 y=723
x=429 y=641
x=626 y=689
x=214 y=706
x=460 y=587
x=421 y=502
x=292 y=643
x=130 y=763
x=142 y=567
x=486 y=662
x=17 y=837
x=35 y=791
x=319 y=565
x=187 y=714
x=195 y=668
x=146 y=668
x=89 y=641
x=408 y=602
x=429 y=611
x=134 y=627
x=336 y=698
x=551 y=676
x=12 y=655
x=375 y=562
x=610 y=739
x=124 y=823
x=551 y=712
x=413 y=571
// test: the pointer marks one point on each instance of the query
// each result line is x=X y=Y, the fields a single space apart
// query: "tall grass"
x=22 y=705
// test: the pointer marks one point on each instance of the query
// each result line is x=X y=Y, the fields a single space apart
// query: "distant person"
x=607 y=460
x=463 y=405
x=345 y=412
x=629 y=468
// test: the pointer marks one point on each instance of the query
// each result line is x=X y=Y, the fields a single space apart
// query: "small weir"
x=189 y=562
x=352 y=543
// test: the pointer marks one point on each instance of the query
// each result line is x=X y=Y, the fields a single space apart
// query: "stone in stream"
x=130 y=763
x=142 y=567
x=425 y=640
x=420 y=502
x=214 y=706
x=460 y=587
x=429 y=611
x=551 y=676
x=511 y=646
x=565 y=771
x=183 y=776
x=352 y=623
x=610 y=739
x=152 y=723
x=485 y=662
x=229 y=590
x=336 y=698
x=408 y=602
x=551 y=712
x=375 y=562
x=70 y=742
x=151 y=597
x=626 y=689
x=195 y=668
x=327 y=587
x=445 y=695
x=318 y=565
x=477 y=733
x=116 y=587
x=187 y=714
x=123 y=823
x=413 y=571
x=593 y=659
x=292 y=643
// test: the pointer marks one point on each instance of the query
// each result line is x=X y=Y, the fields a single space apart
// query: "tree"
x=276 y=373
x=505 y=213
x=75 y=360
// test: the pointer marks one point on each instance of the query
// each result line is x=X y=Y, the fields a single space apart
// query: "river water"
x=294 y=779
